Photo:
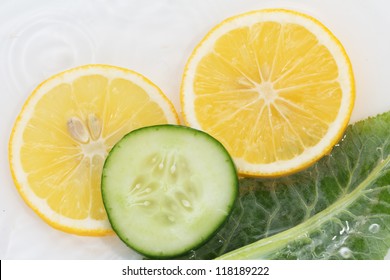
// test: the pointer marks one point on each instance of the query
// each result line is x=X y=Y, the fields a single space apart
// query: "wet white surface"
x=154 y=37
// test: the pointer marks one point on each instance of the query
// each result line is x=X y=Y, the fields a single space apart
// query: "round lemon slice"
x=64 y=132
x=275 y=86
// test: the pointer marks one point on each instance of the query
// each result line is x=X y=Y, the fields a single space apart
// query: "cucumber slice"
x=167 y=189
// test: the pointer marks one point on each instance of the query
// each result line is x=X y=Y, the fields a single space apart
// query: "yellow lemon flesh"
x=62 y=136
x=274 y=86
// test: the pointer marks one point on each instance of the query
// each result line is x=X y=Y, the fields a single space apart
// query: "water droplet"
x=137 y=186
x=186 y=203
x=192 y=255
x=345 y=252
x=374 y=228
x=161 y=166
x=173 y=168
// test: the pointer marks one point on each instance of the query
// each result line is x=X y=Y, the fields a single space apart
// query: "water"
x=44 y=42
x=345 y=252
x=155 y=39
x=374 y=228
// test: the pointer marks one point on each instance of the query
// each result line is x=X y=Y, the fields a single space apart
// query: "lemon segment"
x=64 y=132
x=274 y=86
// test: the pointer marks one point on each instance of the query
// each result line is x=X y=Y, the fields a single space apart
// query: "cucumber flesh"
x=167 y=189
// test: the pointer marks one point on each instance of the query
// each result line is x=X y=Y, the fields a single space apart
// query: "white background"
x=277 y=270
x=154 y=37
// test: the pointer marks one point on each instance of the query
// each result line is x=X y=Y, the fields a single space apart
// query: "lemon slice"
x=274 y=86
x=63 y=134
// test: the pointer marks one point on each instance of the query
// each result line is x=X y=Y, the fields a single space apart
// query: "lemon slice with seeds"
x=63 y=134
x=274 y=86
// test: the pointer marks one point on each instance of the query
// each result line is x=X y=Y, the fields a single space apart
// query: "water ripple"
x=45 y=42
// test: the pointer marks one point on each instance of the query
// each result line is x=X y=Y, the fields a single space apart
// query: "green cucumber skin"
x=174 y=128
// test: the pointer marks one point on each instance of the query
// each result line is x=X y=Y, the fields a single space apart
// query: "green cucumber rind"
x=234 y=194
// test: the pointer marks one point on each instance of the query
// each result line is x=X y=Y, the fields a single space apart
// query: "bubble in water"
x=374 y=228
x=345 y=252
